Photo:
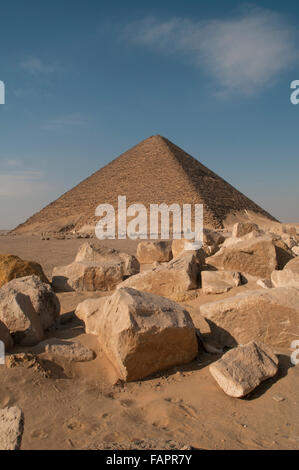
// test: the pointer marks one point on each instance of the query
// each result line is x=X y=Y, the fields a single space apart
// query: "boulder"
x=150 y=251
x=242 y=228
x=90 y=311
x=264 y=283
x=171 y=279
x=211 y=238
x=43 y=299
x=11 y=428
x=12 y=267
x=143 y=333
x=241 y=370
x=18 y=315
x=295 y=250
x=96 y=253
x=269 y=315
x=95 y=268
x=5 y=337
x=179 y=249
x=257 y=257
x=289 y=276
x=72 y=351
x=218 y=282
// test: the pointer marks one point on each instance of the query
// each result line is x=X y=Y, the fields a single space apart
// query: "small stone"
x=11 y=428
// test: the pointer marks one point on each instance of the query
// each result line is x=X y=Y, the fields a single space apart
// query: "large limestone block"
x=289 y=276
x=96 y=253
x=171 y=279
x=149 y=252
x=12 y=267
x=218 y=282
x=242 y=228
x=43 y=298
x=256 y=257
x=242 y=369
x=143 y=333
x=87 y=276
x=179 y=248
x=18 y=315
x=268 y=315
x=5 y=337
x=11 y=428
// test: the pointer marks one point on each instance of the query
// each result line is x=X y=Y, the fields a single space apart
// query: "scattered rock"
x=89 y=311
x=242 y=228
x=11 y=428
x=43 y=299
x=171 y=279
x=295 y=250
x=242 y=369
x=101 y=254
x=289 y=276
x=69 y=350
x=264 y=283
x=179 y=249
x=95 y=268
x=269 y=315
x=28 y=361
x=5 y=336
x=150 y=251
x=19 y=316
x=143 y=333
x=257 y=257
x=12 y=267
x=212 y=238
x=217 y=282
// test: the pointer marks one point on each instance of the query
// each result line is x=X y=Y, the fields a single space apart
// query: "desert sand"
x=76 y=406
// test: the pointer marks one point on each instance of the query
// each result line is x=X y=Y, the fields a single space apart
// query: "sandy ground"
x=78 y=406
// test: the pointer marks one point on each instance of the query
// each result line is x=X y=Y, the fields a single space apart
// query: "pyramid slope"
x=153 y=172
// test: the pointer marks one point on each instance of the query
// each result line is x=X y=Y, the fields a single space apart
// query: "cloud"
x=18 y=184
x=68 y=120
x=243 y=54
x=36 y=66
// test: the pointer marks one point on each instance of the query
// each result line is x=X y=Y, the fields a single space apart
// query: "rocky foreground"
x=146 y=316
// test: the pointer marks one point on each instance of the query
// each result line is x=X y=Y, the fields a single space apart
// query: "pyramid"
x=153 y=172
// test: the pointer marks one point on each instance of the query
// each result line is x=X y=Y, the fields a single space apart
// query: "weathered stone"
x=87 y=276
x=212 y=238
x=179 y=248
x=218 y=282
x=242 y=228
x=143 y=333
x=12 y=267
x=295 y=250
x=43 y=299
x=269 y=315
x=90 y=311
x=264 y=283
x=11 y=428
x=5 y=337
x=101 y=254
x=150 y=251
x=289 y=276
x=257 y=257
x=19 y=316
x=171 y=279
x=242 y=369
x=70 y=350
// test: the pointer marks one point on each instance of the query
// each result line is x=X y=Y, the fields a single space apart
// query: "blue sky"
x=85 y=81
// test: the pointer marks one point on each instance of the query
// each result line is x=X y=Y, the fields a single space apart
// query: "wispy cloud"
x=35 y=66
x=243 y=54
x=68 y=120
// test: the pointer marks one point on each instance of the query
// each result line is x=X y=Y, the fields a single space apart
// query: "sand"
x=79 y=407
